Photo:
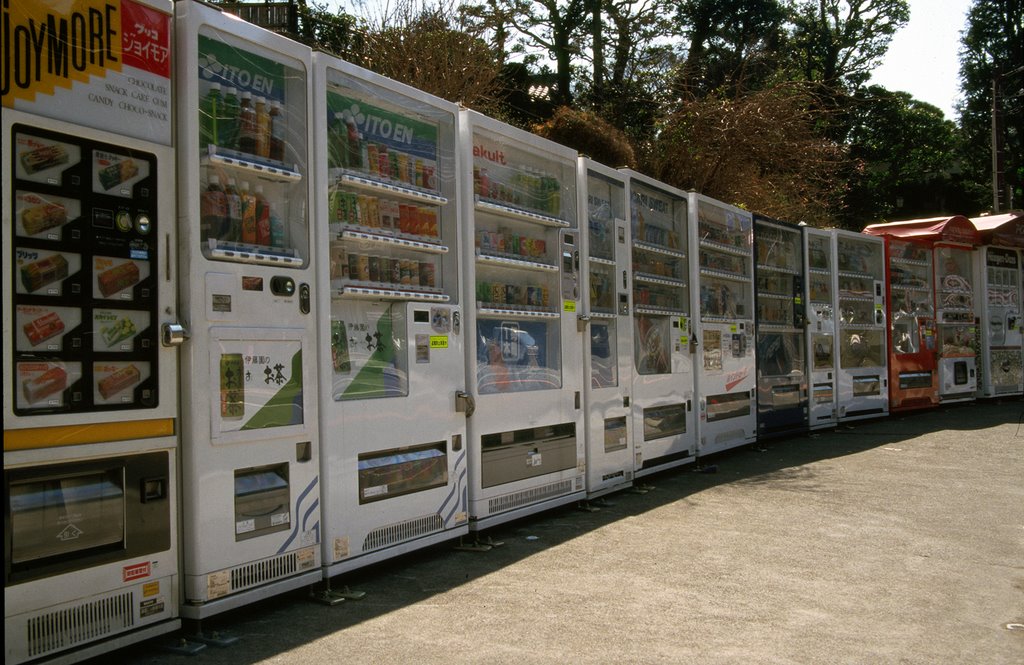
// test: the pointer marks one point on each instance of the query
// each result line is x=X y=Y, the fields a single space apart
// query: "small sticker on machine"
x=378 y=490
x=568 y=305
x=439 y=341
x=245 y=526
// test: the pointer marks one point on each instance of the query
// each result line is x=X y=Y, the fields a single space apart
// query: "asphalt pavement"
x=898 y=540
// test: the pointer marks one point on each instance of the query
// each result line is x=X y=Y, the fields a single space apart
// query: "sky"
x=923 y=56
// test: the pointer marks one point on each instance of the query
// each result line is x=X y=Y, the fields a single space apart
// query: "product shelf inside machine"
x=392 y=241
x=359 y=291
x=380 y=187
x=512 y=212
x=250 y=165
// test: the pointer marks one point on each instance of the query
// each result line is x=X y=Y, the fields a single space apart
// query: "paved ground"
x=895 y=541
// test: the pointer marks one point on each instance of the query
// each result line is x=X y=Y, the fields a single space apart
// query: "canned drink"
x=428 y=177
x=403 y=218
x=483 y=291
x=540 y=247
x=414 y=273
x=497 y=293
x=402 y=161
x=394 y=165
x=373 y=205
x=406 y=272
x=418 y=175
x=373 y=158
x=374 y=268
x=383 y=161
x=545 y=294
x=500 y=244
x=335 y=206
x=353 y=266
x=364 y=268
x=427 y=274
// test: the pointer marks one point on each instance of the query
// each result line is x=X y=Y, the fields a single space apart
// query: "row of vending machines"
x=270 y=318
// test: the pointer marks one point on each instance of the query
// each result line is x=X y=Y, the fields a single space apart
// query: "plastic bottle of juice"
x=262 y=218
x=227 y=125
x=247 y=128
x=248 y=216
x=234 y=216
x=209 y=112
x=262 y=127
x=276 y=132
x=212 y=210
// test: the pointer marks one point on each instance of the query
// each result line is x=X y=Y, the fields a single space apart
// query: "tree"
x=993 y=57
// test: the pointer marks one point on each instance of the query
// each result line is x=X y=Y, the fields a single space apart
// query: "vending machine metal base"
x=524 y=350
x=393 y=404
x=608 y=334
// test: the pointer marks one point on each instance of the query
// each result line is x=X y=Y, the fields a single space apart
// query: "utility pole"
x=998 y=177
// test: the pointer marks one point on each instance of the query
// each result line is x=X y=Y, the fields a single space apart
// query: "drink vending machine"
x=821 y=326
x=724 y=273
x=525 y=351
x=250 y=443
x=608 y=331
x=863 y=388
x=913 y=350
x=664 y=427
x=392 y=363
x=781 y=328
x=90 y=392
x=998 y=301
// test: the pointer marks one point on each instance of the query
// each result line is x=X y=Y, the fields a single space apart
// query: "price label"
x=439 y=341
x=568 y=305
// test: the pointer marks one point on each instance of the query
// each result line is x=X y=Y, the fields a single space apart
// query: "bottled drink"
x=262 y=127
x=227 y=125
x=234 y=208
x=248 y=216
x=277 y=231
x=335 y=148
x=212 y=210
x=262 y=217
x=209 y=112
x=247 y=128
x=276 y=132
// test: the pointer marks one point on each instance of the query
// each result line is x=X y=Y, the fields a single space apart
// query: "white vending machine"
x=821 y=328
x=607 y=328
x=664 y=425
x=998 y=290
x=392 y=366
x=863 y=383
x=90 y=399
x=724 y=272
x=249 y=435
x=524 y=352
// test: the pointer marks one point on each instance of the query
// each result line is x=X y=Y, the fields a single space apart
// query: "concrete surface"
x=893 y=541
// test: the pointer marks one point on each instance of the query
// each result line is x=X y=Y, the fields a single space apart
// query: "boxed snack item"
x=39 y=273
x=43 y=328
x=117 y=381
x=40 y=159
x=113 y=175
x=120 y=330
x=118 y=278
x=44 y=216
x=52 y=381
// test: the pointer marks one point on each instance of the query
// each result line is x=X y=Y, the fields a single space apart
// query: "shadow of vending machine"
x=90 y=402
x=722 y=235
x=781 y=328
x=392 y=364
x=663 y=400
x=822 y=363
x=250 y=467
x=521 y=256
x=607 y=328
x=863 y=386
x=997 y=296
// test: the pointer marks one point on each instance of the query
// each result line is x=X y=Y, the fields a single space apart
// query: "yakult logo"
x=497 y=155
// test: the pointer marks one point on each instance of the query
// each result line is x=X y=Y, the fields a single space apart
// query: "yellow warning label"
x=150 y=589
x=568 y=305
x=439 y=341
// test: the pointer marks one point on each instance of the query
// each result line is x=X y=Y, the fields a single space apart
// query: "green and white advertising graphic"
x=379 y=126
x=259 y=384
x=373 y=363
x=230 y=66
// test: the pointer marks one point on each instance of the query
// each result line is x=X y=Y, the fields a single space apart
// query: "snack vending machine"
x=956 y=313
x=392 y=365
x=90 y=391
x=524 y=370
x=250 y=441
x=913 y=350
x=724 y=272
x=781 y=328
x=863 y=388
x=608 y=334
x=821 y=328
x=664 y=426
x=998 y=301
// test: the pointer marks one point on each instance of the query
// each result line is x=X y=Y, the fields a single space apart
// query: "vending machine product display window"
x=252 y=146
x=821 y=327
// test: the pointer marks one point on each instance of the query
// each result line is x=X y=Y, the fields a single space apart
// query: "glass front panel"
x=658 y=228
x=615 y=434
x=955 y=301
x=369 y=351
x=389 y=473
x=652 y=344
x=911 y=286
x=665 y=420
x=725 y=263
x=819 y=252
x=604 y=368
x=861 y=348
x=252 y=148
x=605 y=201
x=514 y=356
x=823 y=352
x=1002 y=293
x=780 y=354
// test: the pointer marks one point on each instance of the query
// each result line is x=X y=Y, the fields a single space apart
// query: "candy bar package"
x=118 y=381
x=50 y=382
x=117 y=331
x=117 y=173
x=118 y=278
x=42 y=158
x=37 y=274
x=39 y=218
x=43 y=328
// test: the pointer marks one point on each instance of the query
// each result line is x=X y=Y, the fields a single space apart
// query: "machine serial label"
x=439 y=341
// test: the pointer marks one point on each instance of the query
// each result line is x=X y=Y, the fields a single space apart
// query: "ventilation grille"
x=260 y=572
x=403 y=531
x=79 y=624
x=517 y=499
